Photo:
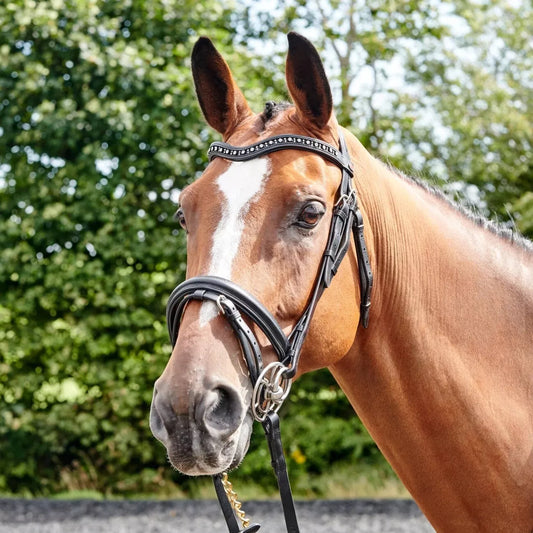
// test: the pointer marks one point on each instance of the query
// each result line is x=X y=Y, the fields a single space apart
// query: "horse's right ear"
x=222 y=103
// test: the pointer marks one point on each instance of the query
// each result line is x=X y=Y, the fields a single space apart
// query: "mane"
x=503 y=231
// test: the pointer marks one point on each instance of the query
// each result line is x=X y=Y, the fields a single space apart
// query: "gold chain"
x=235 y=503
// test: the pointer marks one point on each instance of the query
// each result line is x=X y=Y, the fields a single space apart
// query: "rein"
x=272 y=383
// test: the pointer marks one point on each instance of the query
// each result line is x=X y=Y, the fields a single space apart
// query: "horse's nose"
x=215 y=410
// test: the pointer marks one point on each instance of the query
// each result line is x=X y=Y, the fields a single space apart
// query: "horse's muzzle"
x=206 y=437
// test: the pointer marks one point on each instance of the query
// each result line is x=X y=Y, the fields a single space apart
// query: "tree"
x=99 y=128
x=479 y=85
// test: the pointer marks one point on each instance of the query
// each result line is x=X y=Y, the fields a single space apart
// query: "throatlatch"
x=272 y=383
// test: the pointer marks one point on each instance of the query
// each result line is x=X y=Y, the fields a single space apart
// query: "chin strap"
x=227 y=498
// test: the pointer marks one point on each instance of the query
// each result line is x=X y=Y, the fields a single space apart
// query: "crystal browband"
x=280 y=142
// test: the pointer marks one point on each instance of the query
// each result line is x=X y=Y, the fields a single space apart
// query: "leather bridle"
x=272 y=383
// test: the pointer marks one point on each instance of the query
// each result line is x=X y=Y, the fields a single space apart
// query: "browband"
x=280 y=142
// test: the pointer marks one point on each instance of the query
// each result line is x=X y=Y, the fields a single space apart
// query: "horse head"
x=263 y=224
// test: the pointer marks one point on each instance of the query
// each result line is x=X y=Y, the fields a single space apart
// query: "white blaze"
x=240 y=184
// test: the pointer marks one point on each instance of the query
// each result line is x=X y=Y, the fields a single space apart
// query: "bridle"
x=272 y=383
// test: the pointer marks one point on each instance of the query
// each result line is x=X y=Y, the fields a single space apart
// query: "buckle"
x=270 y=390
x=344 y=199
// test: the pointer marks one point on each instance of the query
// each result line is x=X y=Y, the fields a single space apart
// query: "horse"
x=442 y=377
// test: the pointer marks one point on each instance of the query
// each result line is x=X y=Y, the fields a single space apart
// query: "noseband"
x=272 y=383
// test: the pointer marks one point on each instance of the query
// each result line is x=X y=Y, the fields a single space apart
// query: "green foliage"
x=478 y=86
x=99 y=129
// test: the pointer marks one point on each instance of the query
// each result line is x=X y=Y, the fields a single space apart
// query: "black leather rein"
x=272 y=383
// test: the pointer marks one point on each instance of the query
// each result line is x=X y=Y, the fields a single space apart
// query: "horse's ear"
x=307 y=82
x=222 y=103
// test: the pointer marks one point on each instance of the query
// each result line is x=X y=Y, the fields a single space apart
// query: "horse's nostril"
x=222 y=410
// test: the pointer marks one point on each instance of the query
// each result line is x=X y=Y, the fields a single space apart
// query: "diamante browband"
x=280 y=142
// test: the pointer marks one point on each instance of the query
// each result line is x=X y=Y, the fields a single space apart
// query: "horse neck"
x=446 y=365
x=439 y=272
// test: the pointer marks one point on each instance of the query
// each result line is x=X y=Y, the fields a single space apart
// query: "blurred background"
x=99 y=129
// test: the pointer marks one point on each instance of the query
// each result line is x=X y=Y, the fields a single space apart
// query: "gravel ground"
x=186 y=516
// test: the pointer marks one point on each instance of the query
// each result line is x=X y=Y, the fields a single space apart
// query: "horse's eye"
x=310 y=215
x=180 y=217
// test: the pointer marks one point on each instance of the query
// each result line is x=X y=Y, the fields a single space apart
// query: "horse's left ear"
x=307 y=82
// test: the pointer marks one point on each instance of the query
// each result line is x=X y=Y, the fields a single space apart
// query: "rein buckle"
x=270 y=390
